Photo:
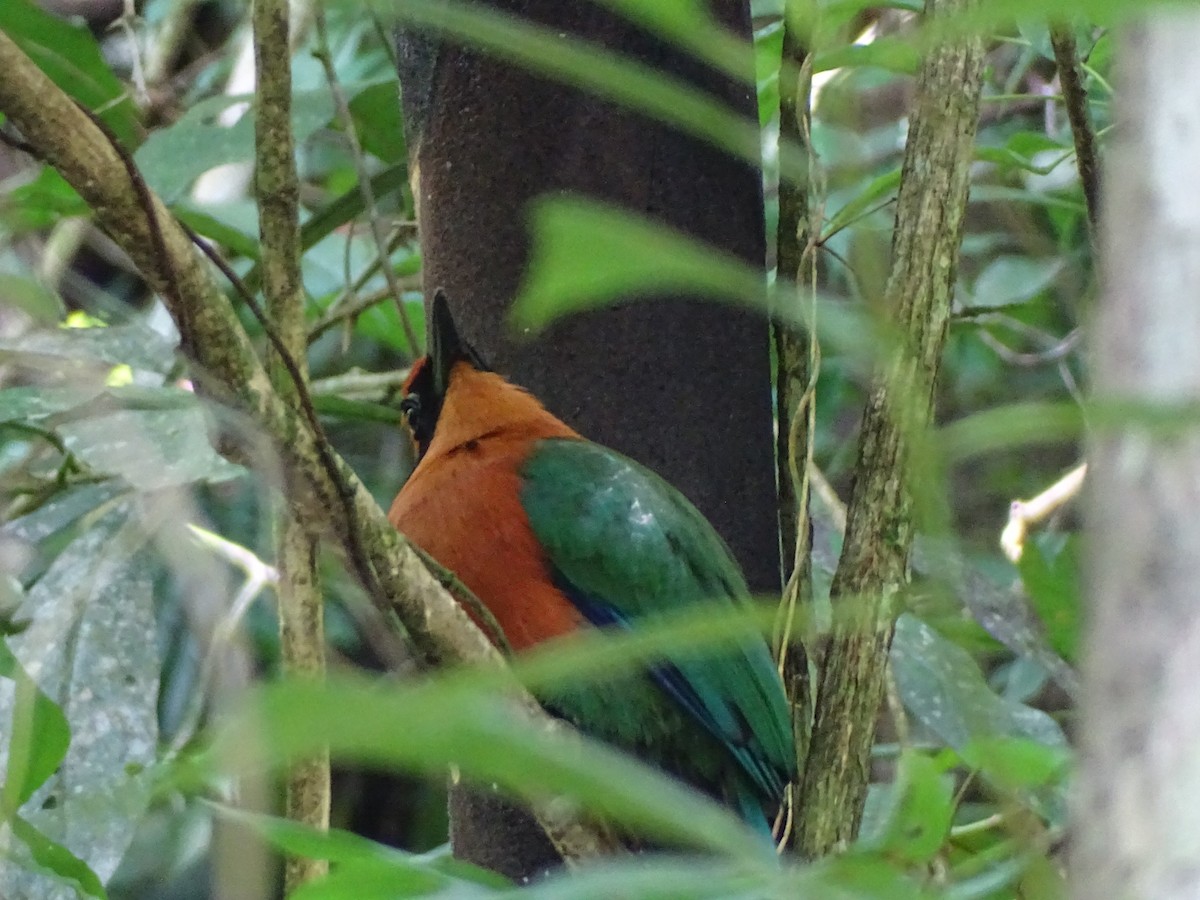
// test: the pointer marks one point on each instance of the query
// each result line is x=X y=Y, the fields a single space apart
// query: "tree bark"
x=1138 y=816
x=873 y=567
x=655 y=380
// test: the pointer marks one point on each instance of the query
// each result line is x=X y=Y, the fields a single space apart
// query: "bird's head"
x=429 y=381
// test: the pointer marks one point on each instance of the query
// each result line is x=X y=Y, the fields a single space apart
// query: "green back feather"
x=623 y=538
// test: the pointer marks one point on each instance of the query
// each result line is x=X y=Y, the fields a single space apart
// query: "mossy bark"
x=872 y=570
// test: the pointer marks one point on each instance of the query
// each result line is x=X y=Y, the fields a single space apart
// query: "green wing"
x=627 y=547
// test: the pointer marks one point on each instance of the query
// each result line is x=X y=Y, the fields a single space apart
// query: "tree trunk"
x=655 y=380
x=1138 y=817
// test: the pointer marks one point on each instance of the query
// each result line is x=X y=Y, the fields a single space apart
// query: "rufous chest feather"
x=463 y=508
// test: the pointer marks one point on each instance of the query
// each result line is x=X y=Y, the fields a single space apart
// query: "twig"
x=359 y=385
x=1070 y=78
x=364 y=178
x=797 y=365
x=259 y=576
x=1023 y=513
x=340 y=312
x=301 y=608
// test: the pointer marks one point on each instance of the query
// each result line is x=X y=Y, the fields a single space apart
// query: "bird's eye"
x=411 y=407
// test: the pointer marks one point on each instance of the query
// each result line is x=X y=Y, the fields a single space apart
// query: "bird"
x=555 y=535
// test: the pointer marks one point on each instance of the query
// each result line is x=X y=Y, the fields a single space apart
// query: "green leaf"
x=1009 y=280
x=376 y=114
x=38 y=735
x=871 y=196
x=430 y=727
x=149 y=448
x=1052 y=580
x=40 y=203
x=92 y=646
x=361 y=864
x=66 y=349
x=174 y=157
x=43 y=305
x=60 y=511
x=32 y=404
x=69 y=55
x=921 y=809
x=1009 y=426
x=587 y=254
x=943 y=688
x=1017 y=763
x=209 y=226
x=51 y=856
x=893 y=54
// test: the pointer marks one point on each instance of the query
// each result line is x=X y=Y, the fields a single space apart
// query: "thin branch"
x=325 y=57
x=327 y=495
x=1024 y=513
x=797 y=364
x=1070 y=77
x=879 y=531
x=301 y=607
x=339 y=312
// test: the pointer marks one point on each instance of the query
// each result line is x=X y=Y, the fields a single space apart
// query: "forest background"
x=142 y=535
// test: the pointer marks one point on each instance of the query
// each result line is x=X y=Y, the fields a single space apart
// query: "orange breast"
x=463 y=508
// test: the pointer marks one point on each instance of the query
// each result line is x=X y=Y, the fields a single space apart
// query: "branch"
x=1070 y=78
x=879 y=531
x=301 y=609
x=326 y=492
x=796 y=365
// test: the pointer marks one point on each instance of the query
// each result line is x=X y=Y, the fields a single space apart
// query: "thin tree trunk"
x=873 y=567
x=656 y=380
x=1138 y=817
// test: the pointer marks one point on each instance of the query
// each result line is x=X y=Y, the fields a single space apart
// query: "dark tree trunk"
x=681 y=385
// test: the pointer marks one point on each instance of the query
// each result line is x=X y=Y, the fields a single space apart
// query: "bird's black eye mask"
x=426 y=388
x=421 y=406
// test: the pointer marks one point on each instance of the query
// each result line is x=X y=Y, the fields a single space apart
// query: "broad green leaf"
x=430 y=727
x=68 y=872
x=40 y=203
x=68 y=53
x=174 y=157
x=64 y=349
x=38 y=735
x=1009 y=426
x=60 y=511
x=207 y=225
x=1009 y=280
x=91 y=646
x=149 y=448
x=586 y=254
x=920 y=811
x=361 y=864
x=377 y=880
x=1016 y=763
x=376 y=114
x=943 y=688
x=43 y=305
x=589 y=255
x=1051 y=578
x=32 y=404
x=1002 y=610
x=876 y=192
x=894 y=54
